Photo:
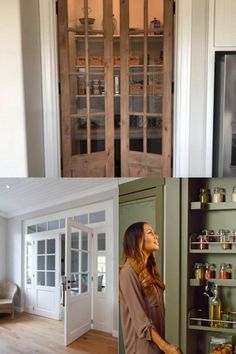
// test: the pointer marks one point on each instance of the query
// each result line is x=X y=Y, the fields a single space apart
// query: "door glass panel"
x=42 y=227
x=154 y=135
x=154 y=104
x=62 y=223
x=41 y=247
x=82 y=219
x=53 y=225
x=101 y=264
x=79 y=136
x=74 y=284
x=74 y=261
x=97 y=134
x=84 y=283
x=75 y=240
x=50 y=262
x=41 y=278
x=136 y=133
x=97 y=216
x=51 y=246
x=41 y=263
x=101 y=242
x=28 y=262
x=31 y=229
x=50 y=279
x=84 y=241
x=84 y=262
x=101 y=282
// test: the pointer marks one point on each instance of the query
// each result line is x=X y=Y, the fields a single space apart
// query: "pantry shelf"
x=219 y=282
x=213 y=206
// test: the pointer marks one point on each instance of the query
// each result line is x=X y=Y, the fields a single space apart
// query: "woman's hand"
x=172 y=349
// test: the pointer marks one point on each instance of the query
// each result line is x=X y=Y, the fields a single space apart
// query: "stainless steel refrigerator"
x=224 y=161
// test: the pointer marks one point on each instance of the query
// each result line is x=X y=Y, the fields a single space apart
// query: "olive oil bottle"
x=215 y=309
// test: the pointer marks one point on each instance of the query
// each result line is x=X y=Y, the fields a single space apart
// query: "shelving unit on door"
x=197 y=217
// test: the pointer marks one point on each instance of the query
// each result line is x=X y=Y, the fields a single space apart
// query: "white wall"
x=13 y=153
x=32 y=86
x=3 y=238
x=198 y=89
x=15 y=256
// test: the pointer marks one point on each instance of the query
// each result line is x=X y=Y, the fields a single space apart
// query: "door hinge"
x=56 y=4
x=33 y=308
x=91 y=321
x=174 y=7
x=92 y=235
x=172 y=87
x=91 y=278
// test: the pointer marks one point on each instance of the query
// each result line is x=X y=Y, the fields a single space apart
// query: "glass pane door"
x=87 y=101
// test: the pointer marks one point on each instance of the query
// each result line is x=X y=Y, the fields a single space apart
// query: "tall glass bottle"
x=205 y=298
x=215 y=309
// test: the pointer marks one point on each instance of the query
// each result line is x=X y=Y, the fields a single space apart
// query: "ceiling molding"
x=88 y=192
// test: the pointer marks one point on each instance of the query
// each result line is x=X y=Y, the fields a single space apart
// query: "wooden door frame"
x=182 y=77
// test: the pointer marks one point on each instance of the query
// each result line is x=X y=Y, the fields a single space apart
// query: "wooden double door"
x=116 y=81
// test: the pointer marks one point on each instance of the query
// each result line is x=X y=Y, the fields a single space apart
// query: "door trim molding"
x=50 y=84
x=182 y=77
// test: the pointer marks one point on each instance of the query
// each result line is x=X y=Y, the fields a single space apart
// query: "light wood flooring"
x=29 y=334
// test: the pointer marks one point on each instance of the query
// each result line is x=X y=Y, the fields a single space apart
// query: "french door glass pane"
x=75 y=240
x=41 y=263
x=101 y=282
x=41 y=278
x=97 y=216
x=84 y=241
x=79 y=136
x=97 y=134
x=53 y=225
x=82 y=219
x=51 y=246
x=50 y=279
x=154 y=135
x=42 y=227
x=101 y=242
x=41 y=247
x=74 y=284
x=136 y=133
x=84 y=262
x=50 y=262
x=84 y=283
x=74 y=261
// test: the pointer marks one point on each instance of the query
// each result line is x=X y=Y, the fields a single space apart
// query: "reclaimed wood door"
x=86 y=82
x=146 y=87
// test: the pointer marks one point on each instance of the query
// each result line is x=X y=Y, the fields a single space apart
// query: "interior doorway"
x=69 y=273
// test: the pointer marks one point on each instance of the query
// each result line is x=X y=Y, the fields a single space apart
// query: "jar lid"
x=217 y=340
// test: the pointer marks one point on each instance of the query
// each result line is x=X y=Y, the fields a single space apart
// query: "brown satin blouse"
x=139 y=313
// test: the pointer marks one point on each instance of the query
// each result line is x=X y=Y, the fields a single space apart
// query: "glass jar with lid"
x=219 y=345
x=223 y=272
x=204 y=195
x=209 y=271
x=203 y=242
x=218 y=195
x=198 y=271
x=225 y=238
x=233 y=195
x=229 y=271
x=210 y=235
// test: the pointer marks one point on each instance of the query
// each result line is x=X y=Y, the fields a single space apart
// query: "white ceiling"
x=26 y=194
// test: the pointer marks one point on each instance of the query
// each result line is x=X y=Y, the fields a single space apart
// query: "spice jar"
x=233 y=196
x=209 y=271
x=225 y=239
x=229 y=271
x=198 y=271
x=218 y=195
x=203 y=243
x=210 y=235
x=204 y=195
x=223 y=272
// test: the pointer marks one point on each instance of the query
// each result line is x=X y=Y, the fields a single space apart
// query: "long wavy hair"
x=133 y=250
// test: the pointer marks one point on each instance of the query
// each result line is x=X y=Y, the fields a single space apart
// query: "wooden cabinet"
x=225 y=24
x=116 y=79
x=196 y=331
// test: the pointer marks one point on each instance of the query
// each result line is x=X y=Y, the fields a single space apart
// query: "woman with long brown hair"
x=141 y=294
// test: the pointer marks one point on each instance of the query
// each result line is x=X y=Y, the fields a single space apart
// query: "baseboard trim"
x=115 y=334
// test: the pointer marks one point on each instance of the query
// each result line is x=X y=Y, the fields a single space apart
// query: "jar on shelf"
x=225 y=317
x=223 y=272
x=220 y=345
x=218 y=195
x=204 y=195
x=233 y=195
x=224 y=236
x=203 y=243
x=198 y=271
x=229 y=271
x=209 y=234
x=209 y=271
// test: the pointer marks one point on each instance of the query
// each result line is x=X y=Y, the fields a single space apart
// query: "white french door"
x=102 y=280
x=78 y=280
x=42 y=287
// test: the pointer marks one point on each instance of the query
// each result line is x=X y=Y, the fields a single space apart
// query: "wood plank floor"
x=29 y=334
